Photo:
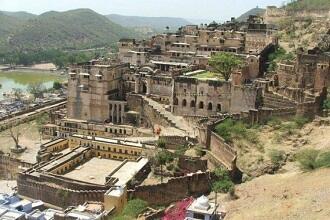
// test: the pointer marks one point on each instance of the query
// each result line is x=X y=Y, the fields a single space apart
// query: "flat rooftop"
x=128 y=171
x=94 y=171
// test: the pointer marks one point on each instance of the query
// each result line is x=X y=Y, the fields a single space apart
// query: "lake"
x=17 y=79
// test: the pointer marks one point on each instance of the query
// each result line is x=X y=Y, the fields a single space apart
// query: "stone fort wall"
x=10 y=167
x=175 y=189
x=54 y=194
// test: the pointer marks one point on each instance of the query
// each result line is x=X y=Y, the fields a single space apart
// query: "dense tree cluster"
x=58 y=57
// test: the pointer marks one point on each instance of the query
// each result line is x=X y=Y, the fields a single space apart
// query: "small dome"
x=202 y=203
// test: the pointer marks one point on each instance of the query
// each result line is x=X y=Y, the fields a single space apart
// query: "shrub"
x=161 y=144
x=274 y=122
x=223 y=182
x=223 y=186
x=326 y=104
x=163 y=157
x=180 y=151
x=57 y=85
x=134 y=208
x=323 y=160
x=277 y=157
x=300 y=121
x=307 y=159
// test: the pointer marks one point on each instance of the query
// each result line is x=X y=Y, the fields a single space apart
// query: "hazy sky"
x=201 y=9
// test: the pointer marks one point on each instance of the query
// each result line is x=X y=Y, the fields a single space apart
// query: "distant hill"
x=157 y=23
x=253 y=11
x=75 y=29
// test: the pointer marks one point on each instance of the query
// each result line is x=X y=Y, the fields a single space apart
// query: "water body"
x=17 y=79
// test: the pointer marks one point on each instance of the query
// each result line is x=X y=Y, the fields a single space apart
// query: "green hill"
x=157 y=23
x=253 y=11
x=75 y=29
x=22 y=15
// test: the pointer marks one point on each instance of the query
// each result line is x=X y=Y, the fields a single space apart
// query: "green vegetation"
x=326 y=104
x=230 y=129
x=287 y=128
x=59 y=58
x=311 y=159
x=278 y=55
x=132 y=210
x=180 y=150
x=277 y=157
x=161 y=144
x=36 y=89
x=224 y=63
x=75 y=29
x=222 y=182
x=57 y=85
x=299 y=5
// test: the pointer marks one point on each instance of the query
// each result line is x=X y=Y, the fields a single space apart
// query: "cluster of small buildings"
x=15 y=208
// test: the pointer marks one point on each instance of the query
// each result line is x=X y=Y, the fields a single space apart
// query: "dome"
x=202 y=203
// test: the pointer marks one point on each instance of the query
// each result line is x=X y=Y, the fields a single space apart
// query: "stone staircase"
x=175 y=121
x=282 y=105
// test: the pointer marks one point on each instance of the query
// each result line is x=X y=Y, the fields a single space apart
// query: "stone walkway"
x=176 y=121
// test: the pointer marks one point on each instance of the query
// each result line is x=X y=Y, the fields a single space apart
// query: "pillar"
x=137 y=83
x=148 y=84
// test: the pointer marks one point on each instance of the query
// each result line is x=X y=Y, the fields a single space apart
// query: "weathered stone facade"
x=91 y=88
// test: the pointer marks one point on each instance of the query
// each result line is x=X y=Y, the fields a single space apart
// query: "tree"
x=57 y=85
x=222 y=183
x=162 y=158
x=15 y=135
x=41 y=121
x=224 y=63
x=18 y=93
x=36 y=89
x=161 y=144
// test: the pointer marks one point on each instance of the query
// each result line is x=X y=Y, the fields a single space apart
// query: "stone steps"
x=175 y=121
x=277 y=102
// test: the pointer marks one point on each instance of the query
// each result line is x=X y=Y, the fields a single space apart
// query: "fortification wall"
x=223 y=151
x=10 y=167
x=242 y=99
x=175 y=189
x=55 y=194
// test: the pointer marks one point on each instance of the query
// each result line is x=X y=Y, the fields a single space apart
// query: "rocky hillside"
x=81 y=28
x=298 y=189
x=303 y=23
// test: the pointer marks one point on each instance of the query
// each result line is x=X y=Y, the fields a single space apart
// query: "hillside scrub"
x=311 y=159
x=132 y=209
x=230 y=129
x=278 y=55
x=277 y=157
x=299 y=5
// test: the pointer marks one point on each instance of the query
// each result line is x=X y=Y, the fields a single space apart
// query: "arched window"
x=218 y=107
x=210 y=107
x=192 y=104
x=184 y=103
x=201 y=105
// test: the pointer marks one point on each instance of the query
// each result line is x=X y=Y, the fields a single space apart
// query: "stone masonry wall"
x=175 y=189
x=56 y=195
x=10 y=167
